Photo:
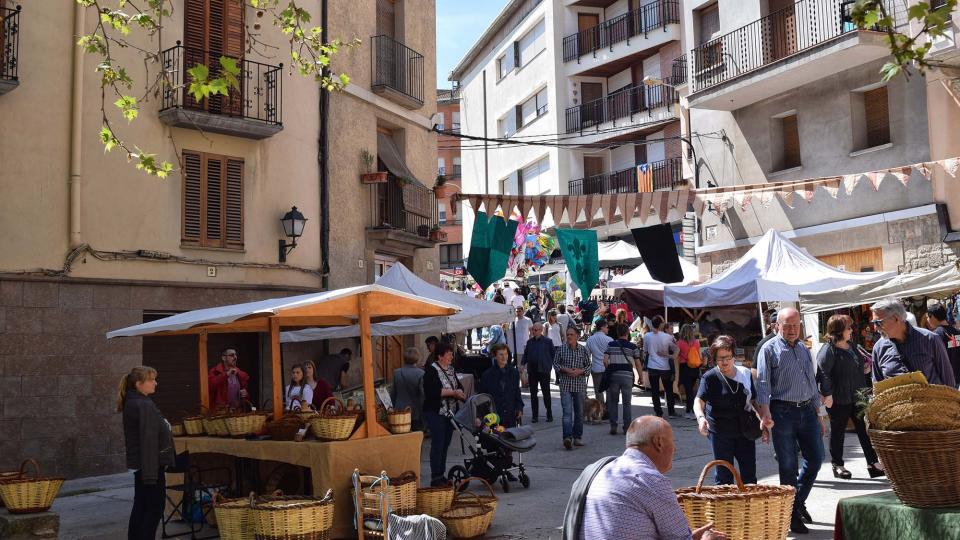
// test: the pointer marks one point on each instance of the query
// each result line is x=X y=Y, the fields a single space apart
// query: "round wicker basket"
x=923 y=466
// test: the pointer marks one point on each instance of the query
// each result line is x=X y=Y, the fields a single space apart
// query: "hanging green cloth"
x=580 y=251
x=490 y=248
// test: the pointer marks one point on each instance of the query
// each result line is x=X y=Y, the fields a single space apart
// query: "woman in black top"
x=721 y=409
x=149 y=445
x=442 y=394
x=843 y=376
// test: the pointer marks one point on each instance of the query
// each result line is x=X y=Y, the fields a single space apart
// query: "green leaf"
x=890 y=70
x=229 y=65
x=199 y=73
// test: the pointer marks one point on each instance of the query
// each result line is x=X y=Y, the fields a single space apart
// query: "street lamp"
x=293 y=223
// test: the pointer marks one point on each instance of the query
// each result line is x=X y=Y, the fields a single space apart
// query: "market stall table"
x=882 y=516
x=327 y=462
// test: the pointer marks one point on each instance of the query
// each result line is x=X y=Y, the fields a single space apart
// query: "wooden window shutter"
x=520 y=185
x=518 y=116
x=233 y=214
x=877 y=116
x=213 y=205
x=516 y=55
x=195 y=24
x=233 y=37
x=791 y=142
x=191 y=230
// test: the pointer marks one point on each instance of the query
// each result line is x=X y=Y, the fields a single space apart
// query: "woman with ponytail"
x=149 y=445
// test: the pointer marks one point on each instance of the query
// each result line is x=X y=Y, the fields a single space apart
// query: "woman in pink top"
x=688 y=375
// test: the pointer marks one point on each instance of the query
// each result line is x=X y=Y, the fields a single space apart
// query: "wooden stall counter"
x=331 y=463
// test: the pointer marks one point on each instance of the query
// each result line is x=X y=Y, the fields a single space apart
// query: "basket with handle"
x=285 y=429
x=234 y=517
x=923 y=466
x=401 y=492
x=245 y=423
x=400 y=421
x=734 y=509
x=468 y=520
x=193 y=425
x=22 y=494
x=333 y=423
x=293 y=517
x=434 y=501
x=465 y=497
x=4 y=475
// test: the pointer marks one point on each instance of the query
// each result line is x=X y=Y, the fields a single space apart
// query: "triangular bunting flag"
x=832 y=189
x=629 y=208
x=902 y=174
x=538 y=208
x=526 y=205
x=573 y=209
x=875 y=179
x=644 y=204
x=661 y=203
x=557 y=204
x=787 y=197
x=850 y=182
x=590 y=209
x=610 y=203
x=925 y=168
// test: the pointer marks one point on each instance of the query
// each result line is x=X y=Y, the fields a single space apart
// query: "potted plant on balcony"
x=371 y=176
x=441 y=189
x=437 y=235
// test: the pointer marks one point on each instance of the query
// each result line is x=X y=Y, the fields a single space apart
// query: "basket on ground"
x=923 y=466
x=468 y=520
x=400 y=421
x=293 y=518
x=401 y=492
x=734 y=509
x=334 y=422
x=24 y=495
x=234 y=517
x=434 y=501
x=465 y=497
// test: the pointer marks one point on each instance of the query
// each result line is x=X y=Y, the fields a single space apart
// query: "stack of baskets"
x=399 y=421
x=915 y=429
x=275 y=518
x=471 y=514
x=334 y=422
x=401 y=492
x=24 y=495
x=734 y=509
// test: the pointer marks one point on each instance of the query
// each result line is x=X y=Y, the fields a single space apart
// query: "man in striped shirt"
x=789 y=404
x=631 y=498
x=572 y=362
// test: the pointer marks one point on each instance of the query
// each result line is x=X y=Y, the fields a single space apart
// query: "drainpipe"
x=76 y=130
x=324 y=162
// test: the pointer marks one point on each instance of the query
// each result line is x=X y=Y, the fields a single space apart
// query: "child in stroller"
x=492 y=448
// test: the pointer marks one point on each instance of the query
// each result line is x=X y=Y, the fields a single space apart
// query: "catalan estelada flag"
x=644 y=178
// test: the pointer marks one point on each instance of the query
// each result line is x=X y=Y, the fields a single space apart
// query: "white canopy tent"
x=473 y=313
x=938 y=283
x=775 y=269
x=640 y=278
x=618 y=253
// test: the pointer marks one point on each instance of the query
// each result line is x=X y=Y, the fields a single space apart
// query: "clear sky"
x=459 y=24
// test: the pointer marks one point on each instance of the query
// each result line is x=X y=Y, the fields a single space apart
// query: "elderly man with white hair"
x=631 y=498
x=905 y=348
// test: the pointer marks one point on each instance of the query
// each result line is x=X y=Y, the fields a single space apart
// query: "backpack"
x=693 y=357
x=573 y=515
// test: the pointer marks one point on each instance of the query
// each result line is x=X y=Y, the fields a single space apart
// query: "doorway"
x=588 y=33
x=592 y=107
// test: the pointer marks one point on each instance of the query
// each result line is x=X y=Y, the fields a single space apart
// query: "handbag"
x=747 y=420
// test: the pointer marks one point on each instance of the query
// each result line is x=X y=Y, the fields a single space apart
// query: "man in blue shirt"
x=537 y=359
x=903 y=348
x=597 y=345
x=789 y=403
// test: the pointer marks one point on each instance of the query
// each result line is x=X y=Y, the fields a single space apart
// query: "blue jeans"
x=793 y=426
x=727 y=446
x=441 y=432
x=572 y=404
x=621 y=388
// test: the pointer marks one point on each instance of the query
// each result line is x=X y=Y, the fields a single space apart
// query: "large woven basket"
x=742 y=512
x=24 y=495
x=234 y=518
x=399 y=421
x=285 y=429
x=401 y=493
x=333 y=423
x=293 y=518
x=193 y=425
x=243 y=424
x=467 y=521
x=216 y=425
x=5 y=475
x=923 y=466
x=464 y=495
x=434 y=501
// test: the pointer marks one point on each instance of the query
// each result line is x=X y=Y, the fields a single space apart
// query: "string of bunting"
x=643 y=207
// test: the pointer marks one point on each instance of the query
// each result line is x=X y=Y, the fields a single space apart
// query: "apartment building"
x=597 y=76
x=89 y=243
x=449 y=167
x=790 y=90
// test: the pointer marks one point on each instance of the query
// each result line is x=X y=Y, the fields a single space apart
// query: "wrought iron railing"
x=620 y=104
x=9 y=43
x=783 y=33
x=393 y=200
x=259 y=97
x=666 y=174
x=397 y=67
x=678 y=71
x=634 y=23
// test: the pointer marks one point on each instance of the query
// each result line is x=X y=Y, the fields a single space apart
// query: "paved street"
x=522 y=513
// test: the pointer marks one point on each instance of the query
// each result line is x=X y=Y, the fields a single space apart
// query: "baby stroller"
x=492 y=452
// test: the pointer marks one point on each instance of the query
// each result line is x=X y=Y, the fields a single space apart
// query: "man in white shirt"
x=518 y=332
x=517 y=300
x=597 y=345
x=508 y=293
x=661 y=351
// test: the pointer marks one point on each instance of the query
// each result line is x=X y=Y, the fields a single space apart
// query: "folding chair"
x=371 y=501
x=197 y=484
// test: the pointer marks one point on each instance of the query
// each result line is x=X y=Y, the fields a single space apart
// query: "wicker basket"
x=401 y=493
x=923 y=466
x=465 y=496
x=467 y=521
x=434 y=501
x=7 y=475
x=193 y=426
x=176 y=430
x=333 y=423
x=234 y=518
x=293 y=518
x=24 y=495
x=285 y=429
x=243 y=424
x=400 y=421
x=734 y=510
x=216 y=425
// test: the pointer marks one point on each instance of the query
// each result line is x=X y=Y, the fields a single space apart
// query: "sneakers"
x=568 y=443
x=578 y=442
x=613 y=430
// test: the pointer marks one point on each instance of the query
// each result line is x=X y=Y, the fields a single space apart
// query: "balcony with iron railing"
x=254 y=111
x=450 y=173
x=9 y=48
x=405 y=212
x=397 y=72
x=796 y=45
x=666 y=175
x=678 y=72
x=611 y=46
x=635 y=104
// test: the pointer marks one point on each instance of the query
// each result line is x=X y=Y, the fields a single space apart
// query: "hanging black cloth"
x=659 y=252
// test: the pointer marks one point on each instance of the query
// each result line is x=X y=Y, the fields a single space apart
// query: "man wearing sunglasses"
x=903 y=348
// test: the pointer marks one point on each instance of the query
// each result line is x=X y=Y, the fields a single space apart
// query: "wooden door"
x=387 y=18
x=588 y=33
x=214 y=28
x=388 y=356
x=865 y=260
x=591 y=110
x=593 y=182
x=781 y=30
